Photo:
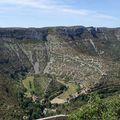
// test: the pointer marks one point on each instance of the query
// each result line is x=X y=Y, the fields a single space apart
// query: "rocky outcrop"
x=22 y=33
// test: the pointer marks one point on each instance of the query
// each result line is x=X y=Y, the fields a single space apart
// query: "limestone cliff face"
x=77 y=53
x=22 y=33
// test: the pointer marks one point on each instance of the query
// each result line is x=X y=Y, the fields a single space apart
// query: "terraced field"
x=28 y=83
x=71 y=90
x=41 y=83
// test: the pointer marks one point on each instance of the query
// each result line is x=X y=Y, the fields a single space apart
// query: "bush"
x=98 y=109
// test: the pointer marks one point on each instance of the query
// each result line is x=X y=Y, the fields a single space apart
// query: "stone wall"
x=57 y=117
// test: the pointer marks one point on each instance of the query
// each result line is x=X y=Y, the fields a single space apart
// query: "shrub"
x=98 y=109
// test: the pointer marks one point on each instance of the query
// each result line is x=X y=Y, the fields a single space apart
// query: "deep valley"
x=56 y=70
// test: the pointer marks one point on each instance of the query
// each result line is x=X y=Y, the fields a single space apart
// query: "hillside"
x=55 y=58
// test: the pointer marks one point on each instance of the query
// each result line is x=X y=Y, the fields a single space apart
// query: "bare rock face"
x=21 y=33
x=77 y=53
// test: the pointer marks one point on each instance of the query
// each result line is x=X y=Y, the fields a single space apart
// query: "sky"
x=46 y=13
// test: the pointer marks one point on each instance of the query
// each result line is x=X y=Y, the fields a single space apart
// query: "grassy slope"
x=9 y=107
x=28 y=83
x=41 y=82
